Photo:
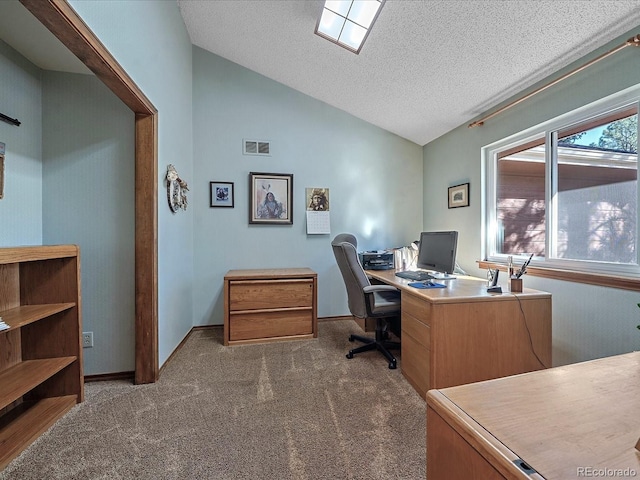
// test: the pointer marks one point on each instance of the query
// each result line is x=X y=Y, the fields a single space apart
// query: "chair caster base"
x=350 y=355
x=392 y=365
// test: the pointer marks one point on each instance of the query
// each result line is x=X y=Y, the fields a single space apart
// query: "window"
x=348 y=22
x=567 y=191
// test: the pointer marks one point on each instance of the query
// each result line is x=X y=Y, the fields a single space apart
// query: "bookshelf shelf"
x=33 y=421
x=21 y=316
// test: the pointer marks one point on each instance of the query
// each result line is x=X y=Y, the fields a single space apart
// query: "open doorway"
x=61 y=20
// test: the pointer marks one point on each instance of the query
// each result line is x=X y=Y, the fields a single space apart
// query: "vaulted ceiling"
x=427 y=66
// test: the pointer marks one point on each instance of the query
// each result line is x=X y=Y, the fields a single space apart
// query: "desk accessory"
x=492 y=278
x=516 y=285
x=493 y=286
x=427 y=285
x=523 y=268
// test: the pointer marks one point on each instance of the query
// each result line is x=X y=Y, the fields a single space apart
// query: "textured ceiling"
x=426 y=67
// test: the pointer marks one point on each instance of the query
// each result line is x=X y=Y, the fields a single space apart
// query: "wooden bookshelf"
x=41 y=375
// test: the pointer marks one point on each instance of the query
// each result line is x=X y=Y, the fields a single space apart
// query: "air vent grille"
x=256 y=147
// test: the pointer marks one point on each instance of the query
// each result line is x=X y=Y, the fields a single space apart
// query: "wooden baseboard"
x=367 y=325
x=104 y=377
x=333 y=319
x=130 y=375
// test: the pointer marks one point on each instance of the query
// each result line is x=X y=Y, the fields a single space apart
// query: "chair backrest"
x=344 y=249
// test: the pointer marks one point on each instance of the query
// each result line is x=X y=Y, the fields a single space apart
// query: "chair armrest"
x=379 y=288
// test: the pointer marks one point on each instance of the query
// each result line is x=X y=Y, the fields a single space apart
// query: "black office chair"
x=381 y=302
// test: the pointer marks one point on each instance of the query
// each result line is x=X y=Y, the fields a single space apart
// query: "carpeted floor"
x=286 y=410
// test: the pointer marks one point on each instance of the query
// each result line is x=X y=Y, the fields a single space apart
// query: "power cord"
x=526 y=325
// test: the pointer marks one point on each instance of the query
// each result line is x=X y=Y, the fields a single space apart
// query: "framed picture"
x=221 y=194
x=459 y=196
x=271 y=198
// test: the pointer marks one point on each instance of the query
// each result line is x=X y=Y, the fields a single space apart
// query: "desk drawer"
x=416 y=307
x=265 y=294
x=420 y=332
x=246 y=326
x=416 y=364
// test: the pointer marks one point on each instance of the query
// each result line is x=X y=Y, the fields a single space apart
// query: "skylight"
x=348 y=22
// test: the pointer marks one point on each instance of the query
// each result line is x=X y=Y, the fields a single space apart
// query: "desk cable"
x=526 y=325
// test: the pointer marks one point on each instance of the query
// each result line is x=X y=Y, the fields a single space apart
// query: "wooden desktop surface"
x=463 y=334
x=273 y=273
x=462 y=288
x=579 y=420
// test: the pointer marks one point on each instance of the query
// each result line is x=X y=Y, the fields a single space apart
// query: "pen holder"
x=516 y=285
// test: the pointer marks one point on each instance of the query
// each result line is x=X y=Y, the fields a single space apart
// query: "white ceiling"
x=427 y=66
x=20 y=29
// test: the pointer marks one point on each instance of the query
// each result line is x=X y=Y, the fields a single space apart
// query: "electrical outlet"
x=87 y=339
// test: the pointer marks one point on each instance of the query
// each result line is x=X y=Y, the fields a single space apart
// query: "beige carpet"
x=287 y=410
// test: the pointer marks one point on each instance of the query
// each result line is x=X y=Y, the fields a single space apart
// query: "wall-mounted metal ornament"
x=176 y=190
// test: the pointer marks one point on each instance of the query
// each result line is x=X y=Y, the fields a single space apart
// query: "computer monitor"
x=437 y=251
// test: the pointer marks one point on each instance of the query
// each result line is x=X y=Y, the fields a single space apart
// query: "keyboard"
x=415 y=275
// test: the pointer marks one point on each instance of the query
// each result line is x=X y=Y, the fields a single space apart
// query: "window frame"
x=547 y=131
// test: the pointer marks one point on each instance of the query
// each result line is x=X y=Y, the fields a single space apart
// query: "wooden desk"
x=264 y=305
x=580 y=420
x=462 y=334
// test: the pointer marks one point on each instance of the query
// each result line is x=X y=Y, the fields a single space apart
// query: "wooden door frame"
x=60 y=18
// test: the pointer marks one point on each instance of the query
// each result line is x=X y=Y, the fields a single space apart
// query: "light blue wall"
x=374 y=178
x=207 y=105
x=20 y=97
x=151 y=43
x=88 y=200
x=69 y=179
x=588 y=321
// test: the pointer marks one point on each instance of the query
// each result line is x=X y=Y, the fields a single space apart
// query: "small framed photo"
x=459 y=196
x=221 y=194
x=271 y=198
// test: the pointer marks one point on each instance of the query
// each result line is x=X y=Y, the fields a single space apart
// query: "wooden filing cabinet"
x=266 y=305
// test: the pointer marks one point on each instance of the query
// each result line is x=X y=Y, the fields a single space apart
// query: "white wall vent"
x=256 y=147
